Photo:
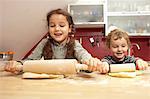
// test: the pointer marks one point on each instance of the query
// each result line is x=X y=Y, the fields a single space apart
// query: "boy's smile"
x=119 y=48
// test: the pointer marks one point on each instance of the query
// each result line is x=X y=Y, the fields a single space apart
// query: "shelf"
x=140 y=34
x=139 y=13
x=140 y=37
x=89 y=24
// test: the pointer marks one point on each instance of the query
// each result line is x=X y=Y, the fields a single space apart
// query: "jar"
x=6 y=56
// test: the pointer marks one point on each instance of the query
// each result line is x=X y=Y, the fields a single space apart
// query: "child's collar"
x=118 y=60
x=61 y=44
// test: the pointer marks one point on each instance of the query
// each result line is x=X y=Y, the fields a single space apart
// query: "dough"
x=123 y=74
x=38 y=76
x=139 y=72
x=126 y=74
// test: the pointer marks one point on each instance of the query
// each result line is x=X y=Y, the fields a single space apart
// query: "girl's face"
x=119 y=48
x=59 y=28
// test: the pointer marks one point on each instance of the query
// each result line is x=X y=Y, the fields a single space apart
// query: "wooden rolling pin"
x=56 y=66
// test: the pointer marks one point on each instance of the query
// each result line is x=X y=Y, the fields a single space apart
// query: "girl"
x=118 y=42
x=60 y=43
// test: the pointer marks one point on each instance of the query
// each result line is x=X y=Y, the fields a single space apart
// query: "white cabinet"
x=87 y=15
x=131 y=15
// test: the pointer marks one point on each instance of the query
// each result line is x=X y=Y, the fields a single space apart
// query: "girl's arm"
x=94 y=64
x=13 y=67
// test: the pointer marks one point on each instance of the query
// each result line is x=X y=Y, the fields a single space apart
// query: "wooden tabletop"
x=83 y=86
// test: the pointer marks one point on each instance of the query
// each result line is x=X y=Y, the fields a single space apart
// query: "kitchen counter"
x=82 y=86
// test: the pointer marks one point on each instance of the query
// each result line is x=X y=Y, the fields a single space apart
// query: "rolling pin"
x=127 y=67
x=56 y=66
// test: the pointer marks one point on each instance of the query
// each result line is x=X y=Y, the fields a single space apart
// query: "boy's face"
x=59 y=28
x=119 y=48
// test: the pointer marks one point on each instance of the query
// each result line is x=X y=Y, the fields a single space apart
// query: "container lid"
x=8 y=52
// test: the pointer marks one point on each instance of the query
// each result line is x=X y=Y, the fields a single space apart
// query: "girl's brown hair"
x=47 y=50
x=117 y=34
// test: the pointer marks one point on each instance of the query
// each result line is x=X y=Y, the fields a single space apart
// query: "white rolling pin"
x=56 y=66
x=127 y=67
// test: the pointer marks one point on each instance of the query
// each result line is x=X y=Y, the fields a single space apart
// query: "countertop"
x=81 y=86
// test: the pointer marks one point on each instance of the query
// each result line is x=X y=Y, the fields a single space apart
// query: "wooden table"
x=96 y=86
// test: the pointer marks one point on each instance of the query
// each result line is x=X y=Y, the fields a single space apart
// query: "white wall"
x=24 y=23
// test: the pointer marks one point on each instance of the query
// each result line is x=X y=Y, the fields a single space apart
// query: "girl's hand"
x=141 y=64
x=93 y=64
x=104 y=68
x=13 y=67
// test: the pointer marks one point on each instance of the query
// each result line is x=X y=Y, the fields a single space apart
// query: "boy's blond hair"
x=117 y=34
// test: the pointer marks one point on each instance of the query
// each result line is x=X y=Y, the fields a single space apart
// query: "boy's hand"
x=141 y=64
x=13 y=67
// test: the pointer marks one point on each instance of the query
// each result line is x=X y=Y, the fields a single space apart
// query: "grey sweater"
x=59 y=51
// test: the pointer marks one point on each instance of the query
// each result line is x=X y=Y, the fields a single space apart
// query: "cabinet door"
x=131 y=15
x=128 y=5
x=87 y=15
x=135 y=25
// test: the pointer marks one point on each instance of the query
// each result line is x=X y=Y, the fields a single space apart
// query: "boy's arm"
x=141 y=64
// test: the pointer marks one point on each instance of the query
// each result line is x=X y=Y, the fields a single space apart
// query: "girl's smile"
x=58 y=34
